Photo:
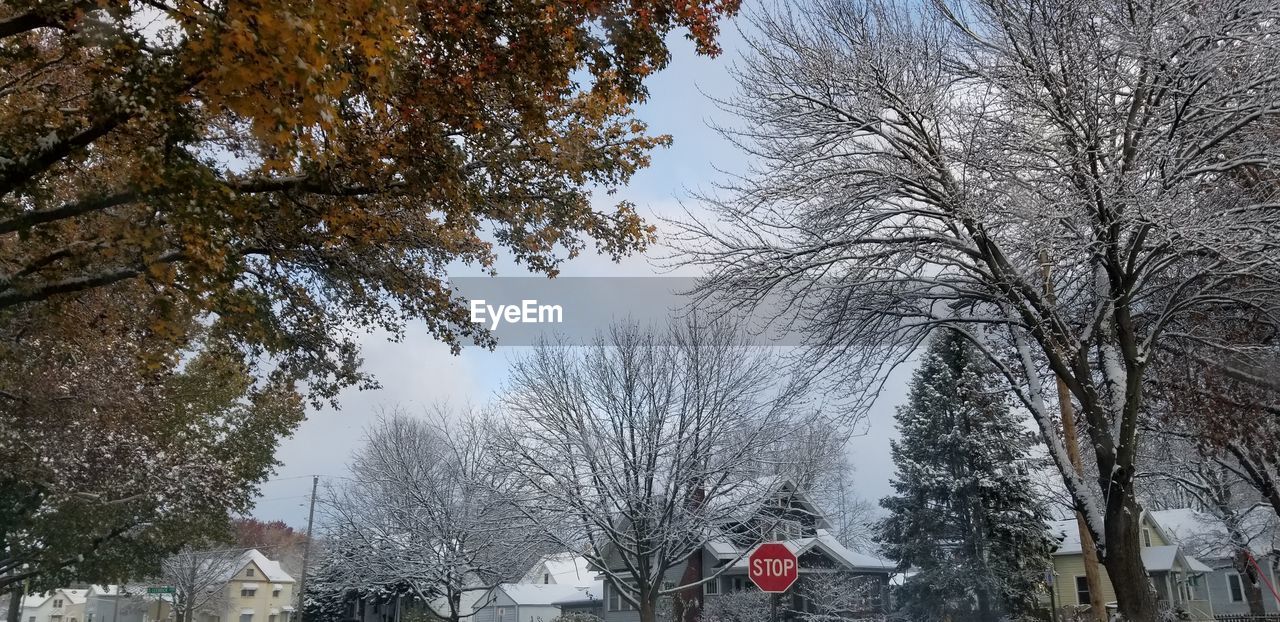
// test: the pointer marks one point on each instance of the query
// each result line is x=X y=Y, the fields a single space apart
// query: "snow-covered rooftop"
x=1204 y=535
x=270 y=568
x=564 y=569
x=541 y=594
x=591 y=592
x=1154 y=558
x=828 y=544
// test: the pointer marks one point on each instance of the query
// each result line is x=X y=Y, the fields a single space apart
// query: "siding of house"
x=1220 y=593
x=1068 y=567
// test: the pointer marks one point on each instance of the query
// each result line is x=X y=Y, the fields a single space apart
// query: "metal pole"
x=773 y=607
x=306 y=548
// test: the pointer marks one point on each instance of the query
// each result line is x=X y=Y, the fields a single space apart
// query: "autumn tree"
x=1076 y=186
x=303 y=170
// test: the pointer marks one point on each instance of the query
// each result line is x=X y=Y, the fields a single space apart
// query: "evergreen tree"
x=964 y=515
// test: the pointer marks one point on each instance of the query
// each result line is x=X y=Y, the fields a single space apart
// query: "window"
x=1236 y=587
x=275 y=593
x=546 y=577
x=1082 y=590
x=617 y=602
x=1146 y=537
x=246 y=617
x=501 y=613
x=31 y=619
x=736 y=584
x=712 y=586
x=271 y=618
x=248 y=592
x=248 y=572
x=57 y=603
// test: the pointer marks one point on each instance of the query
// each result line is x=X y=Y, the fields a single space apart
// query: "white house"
x=60 y=605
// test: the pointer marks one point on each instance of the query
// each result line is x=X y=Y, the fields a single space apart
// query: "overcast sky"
x=417 y=371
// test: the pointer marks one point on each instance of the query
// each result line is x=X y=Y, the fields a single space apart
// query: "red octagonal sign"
x=773 y=567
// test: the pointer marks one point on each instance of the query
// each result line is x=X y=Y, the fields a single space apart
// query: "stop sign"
x=773 y=567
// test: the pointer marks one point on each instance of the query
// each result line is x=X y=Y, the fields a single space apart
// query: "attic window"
x=546 y=577
x=249 y=572
x=1146 y=537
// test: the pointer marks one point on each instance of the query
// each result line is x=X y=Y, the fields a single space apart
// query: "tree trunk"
x=15 y=604
x=648 y=610
x=1135 y=595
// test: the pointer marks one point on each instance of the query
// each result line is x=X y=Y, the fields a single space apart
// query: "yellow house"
x=258 y=590
x=1178 y=577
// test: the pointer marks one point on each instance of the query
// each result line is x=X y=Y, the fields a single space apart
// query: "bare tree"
x=1070 y=183
x=427 y=509
x=199 y=579
x=638 y=449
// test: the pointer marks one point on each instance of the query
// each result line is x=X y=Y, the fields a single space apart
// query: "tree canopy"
x=305 y=170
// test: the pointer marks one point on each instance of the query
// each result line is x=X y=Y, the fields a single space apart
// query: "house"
x=1178 y=577
x=796 y=521
x=256 y=589
x=1207 y=538
x=119 y=603
x=530 y=602
x=60 y=605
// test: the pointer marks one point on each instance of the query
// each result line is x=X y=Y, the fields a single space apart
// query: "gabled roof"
x=73 y=597
x=565 y=569
x=540 y=594
x=1154 y=558
x=746 y=499
x=829 y=546
x=271 y=569
x=1206 y=536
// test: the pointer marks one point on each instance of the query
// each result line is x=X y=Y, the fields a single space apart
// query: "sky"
x=418 y=372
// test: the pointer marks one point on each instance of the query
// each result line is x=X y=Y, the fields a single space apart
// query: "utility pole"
x=1089 y=550
x=306 y=548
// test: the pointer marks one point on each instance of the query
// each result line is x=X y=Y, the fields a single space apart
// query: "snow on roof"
x=831 y=547
x=1159 y=558
x=565 y=569
x=270 y=568
x=73 y=597
x=593 y=592
x=1069 y=532
x=744 y=500
x=1204 y=535
x=539 y=594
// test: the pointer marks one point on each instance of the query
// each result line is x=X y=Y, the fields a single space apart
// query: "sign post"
x=774 y=569
x=159 y=592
